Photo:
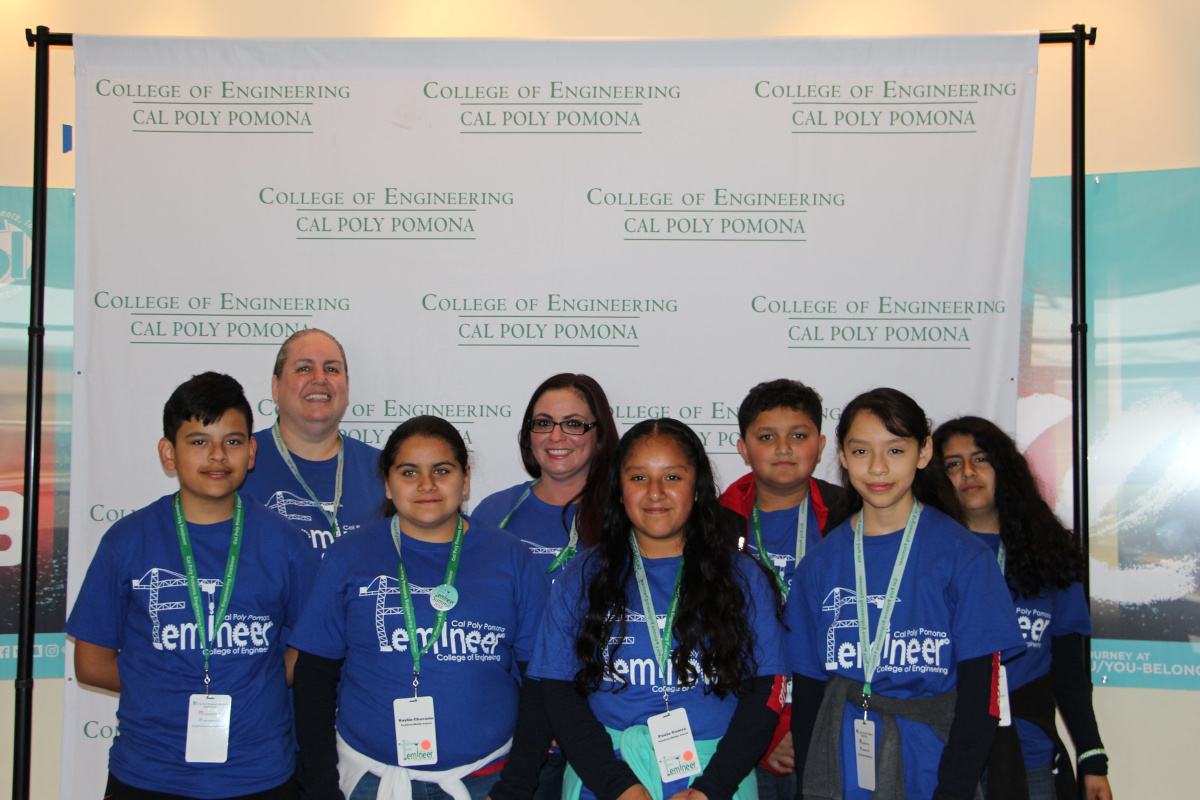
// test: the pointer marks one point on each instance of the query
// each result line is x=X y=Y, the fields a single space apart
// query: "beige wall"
x=1143 y=114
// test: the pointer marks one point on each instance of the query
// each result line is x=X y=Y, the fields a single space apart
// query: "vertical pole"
x=23 y=715
x=1079 y=300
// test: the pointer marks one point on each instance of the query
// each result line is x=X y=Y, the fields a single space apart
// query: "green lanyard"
x=337 y=483
x=1001 y=557
x=801 y=541
x=661 y=643
x=193 y=581
x=565 y=554
x=410 y=617
x=871 y=651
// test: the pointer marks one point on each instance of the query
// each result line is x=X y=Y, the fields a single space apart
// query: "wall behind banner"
x=1143 y=79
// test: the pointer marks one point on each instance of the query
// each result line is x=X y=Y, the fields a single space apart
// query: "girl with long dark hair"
x=662 y=638
x=899 y=626
x=1040 y=560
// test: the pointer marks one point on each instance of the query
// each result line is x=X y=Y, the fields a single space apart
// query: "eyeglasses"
x=571 y=427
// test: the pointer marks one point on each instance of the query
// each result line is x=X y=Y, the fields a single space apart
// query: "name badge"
x=208 y=728
x=864 y=753
x=416 y=736
x=1005 y=710
x=674 y=745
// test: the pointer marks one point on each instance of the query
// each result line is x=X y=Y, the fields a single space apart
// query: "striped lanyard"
x=871 y=651
x=660 y=642
x=193 y=579
x=331 y=518
x=801 y=541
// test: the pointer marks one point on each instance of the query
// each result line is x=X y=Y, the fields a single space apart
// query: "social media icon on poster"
x=12 y=511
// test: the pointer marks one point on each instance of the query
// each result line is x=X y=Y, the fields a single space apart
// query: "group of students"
x=615 y=628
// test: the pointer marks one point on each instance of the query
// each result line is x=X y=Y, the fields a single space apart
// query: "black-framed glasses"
x=571 y=427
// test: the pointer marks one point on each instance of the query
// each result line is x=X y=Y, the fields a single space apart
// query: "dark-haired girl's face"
x=658 y=489
x=971 y=472
x=561 y=456
x=882 y=465
x=427 y=485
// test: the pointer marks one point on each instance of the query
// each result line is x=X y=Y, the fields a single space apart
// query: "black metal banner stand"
x=42 y=40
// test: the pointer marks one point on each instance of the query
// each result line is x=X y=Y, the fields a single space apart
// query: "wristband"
x=1099 y=751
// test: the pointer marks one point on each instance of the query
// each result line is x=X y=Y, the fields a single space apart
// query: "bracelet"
x=1099 y=751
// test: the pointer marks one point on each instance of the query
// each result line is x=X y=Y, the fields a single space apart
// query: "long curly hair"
x=591 y=496
x=1043 y=554
x=712 y=623
x=901 y=415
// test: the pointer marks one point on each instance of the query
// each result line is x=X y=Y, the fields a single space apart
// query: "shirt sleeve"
x=764 y=619
x=554 y=654
x=98 y=616
x=533 y=588
x=321 y=629
x=984 y=620
x=802 y=615
x=1071 y=612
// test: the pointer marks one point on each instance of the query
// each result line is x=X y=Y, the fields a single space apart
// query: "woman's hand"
x=1096 y=787
x=783 y=759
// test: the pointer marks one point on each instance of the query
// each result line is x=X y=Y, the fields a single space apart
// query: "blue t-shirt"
x=535 y=522
x=952 y=606
x=356 y=613
x=1057 y=612
x=272 y=484
x=779 y=530
x=134 y=599
x=643 y=682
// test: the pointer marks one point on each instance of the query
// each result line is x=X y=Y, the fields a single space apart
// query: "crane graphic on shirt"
x=461 y=639
x=916 y=649
x=540 y=549
x=238 y=633
x=644 y=671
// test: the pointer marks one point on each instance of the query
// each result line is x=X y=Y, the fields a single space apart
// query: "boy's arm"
x=289 y=662
x=97 y=666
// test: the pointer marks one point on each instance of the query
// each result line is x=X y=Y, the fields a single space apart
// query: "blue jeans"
x=1041 y=782
x=477 y=785
x=774 y=787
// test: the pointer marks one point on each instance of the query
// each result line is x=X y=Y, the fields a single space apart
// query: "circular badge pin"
x=444 y=597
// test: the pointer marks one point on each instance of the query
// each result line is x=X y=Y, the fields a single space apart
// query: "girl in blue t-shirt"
x=661 y=615
x=900 y=624
x=412 y=639
x=1040 y=559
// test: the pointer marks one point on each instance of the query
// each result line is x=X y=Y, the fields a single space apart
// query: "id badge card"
x=208 y=728
x=674 y=745
x=416 y=736
x=1005 y=710
x=864 y=753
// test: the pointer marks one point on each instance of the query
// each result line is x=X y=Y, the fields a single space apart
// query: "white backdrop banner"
x=679 y=219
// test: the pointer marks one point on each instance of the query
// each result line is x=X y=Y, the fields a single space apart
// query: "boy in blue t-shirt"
x=782 y=512
x=200 y=664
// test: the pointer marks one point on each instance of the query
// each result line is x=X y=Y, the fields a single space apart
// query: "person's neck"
x=441 y=534
x=881 y=521
x=771 y=500
x=659 y=548
x=311 y=445
x=559 y=492
x=206 y=510
x=983 y=521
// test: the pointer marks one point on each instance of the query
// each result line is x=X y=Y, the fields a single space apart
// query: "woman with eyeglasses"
x=567 y=434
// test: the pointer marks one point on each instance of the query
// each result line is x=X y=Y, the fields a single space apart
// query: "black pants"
x=116 y=790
